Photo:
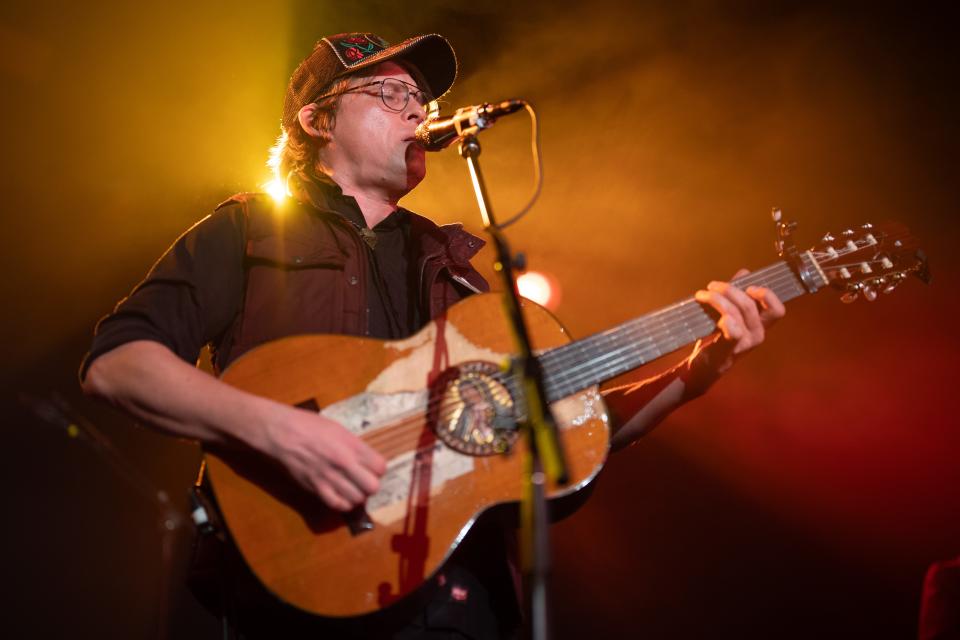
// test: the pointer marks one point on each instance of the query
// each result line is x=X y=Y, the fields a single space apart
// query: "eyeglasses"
x=394 y=93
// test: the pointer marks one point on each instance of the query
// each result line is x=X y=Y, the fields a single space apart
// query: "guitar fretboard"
x=601 y=356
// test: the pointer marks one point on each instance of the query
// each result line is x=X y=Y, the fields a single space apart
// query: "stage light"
x=276 y=189
x=539 y=287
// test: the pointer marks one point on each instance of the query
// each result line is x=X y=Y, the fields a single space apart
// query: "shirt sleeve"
x=189 y=298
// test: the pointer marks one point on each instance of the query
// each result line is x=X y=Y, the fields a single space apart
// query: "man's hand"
x=745 y=315
x=744 y=318
x=152 y=384
x=325 y=458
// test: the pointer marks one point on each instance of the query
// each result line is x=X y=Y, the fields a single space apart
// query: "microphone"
x=437 y=134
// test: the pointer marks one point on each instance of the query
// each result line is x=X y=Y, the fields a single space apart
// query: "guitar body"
x=442 y=413
x=398 y=396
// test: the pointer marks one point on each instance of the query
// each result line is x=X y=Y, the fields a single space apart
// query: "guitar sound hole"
x=476 y=411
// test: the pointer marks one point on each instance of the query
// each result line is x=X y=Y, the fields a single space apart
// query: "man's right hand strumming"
x=325 y=458
x=150 y=382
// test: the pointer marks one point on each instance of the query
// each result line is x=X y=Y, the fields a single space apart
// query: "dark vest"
x=306 y=272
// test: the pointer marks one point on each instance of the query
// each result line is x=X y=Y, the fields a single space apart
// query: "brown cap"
x=346 y=53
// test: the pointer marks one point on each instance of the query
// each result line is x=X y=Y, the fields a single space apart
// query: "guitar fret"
x=607 y=354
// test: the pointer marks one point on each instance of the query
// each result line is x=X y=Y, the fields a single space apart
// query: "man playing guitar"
x=342 y=257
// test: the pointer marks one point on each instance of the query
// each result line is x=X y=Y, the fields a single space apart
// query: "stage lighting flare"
x=541 y=288
x=276 y=188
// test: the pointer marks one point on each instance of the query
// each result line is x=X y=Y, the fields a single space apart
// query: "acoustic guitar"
x=442 y=406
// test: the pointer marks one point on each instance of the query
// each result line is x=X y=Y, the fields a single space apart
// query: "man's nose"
x=415 y=111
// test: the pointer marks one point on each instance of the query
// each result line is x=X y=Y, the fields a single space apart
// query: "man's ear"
x=307 y=116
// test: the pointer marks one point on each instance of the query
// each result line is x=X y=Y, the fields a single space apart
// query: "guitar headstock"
x=870 y=260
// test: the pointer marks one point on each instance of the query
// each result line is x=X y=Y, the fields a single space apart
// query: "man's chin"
x=416 y=161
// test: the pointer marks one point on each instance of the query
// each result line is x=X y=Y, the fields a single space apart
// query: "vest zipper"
x=465 y=283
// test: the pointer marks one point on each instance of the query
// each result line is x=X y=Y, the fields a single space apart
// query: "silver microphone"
x=437 y=134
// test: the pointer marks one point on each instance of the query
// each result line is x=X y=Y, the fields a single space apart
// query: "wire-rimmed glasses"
x=394 y=93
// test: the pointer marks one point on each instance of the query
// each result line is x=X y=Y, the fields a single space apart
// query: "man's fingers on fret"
x=748 y=311
x=771 y=308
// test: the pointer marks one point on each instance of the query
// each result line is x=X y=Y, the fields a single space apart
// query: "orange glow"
x=541 y=288
x=276 y=189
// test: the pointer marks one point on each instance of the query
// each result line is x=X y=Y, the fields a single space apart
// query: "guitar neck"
x=599 y=357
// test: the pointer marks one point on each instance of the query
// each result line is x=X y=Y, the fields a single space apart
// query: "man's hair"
x=295 y=151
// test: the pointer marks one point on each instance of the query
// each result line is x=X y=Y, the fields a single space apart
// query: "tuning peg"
x=866 y=226
x=784 y=243
x=891 y=281
x=869 y=294
x=852 y=292
x=847 y=233
x=827 y=237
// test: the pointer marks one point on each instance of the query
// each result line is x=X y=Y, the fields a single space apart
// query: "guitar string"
x=555 y=358
x=393 y=432
x=613 y=367
x=689 y=311
x=612 y=335
x=776 y=283
x=645 y=340
x=388 y=428
x=387 y=431
x=628 y=332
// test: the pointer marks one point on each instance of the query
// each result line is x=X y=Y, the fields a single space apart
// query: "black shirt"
x=192 y=294
x=391 y=284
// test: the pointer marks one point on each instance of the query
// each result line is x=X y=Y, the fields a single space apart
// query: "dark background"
x=803 y=497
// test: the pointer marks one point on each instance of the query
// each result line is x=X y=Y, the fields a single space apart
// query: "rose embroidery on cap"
x=358 y=47
x=353 y=54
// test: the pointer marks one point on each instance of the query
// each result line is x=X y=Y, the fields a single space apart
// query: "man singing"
x=342 y=257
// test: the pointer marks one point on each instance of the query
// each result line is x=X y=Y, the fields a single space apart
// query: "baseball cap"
x=346 y=53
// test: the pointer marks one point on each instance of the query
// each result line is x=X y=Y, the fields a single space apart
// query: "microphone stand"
x=544 y=457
